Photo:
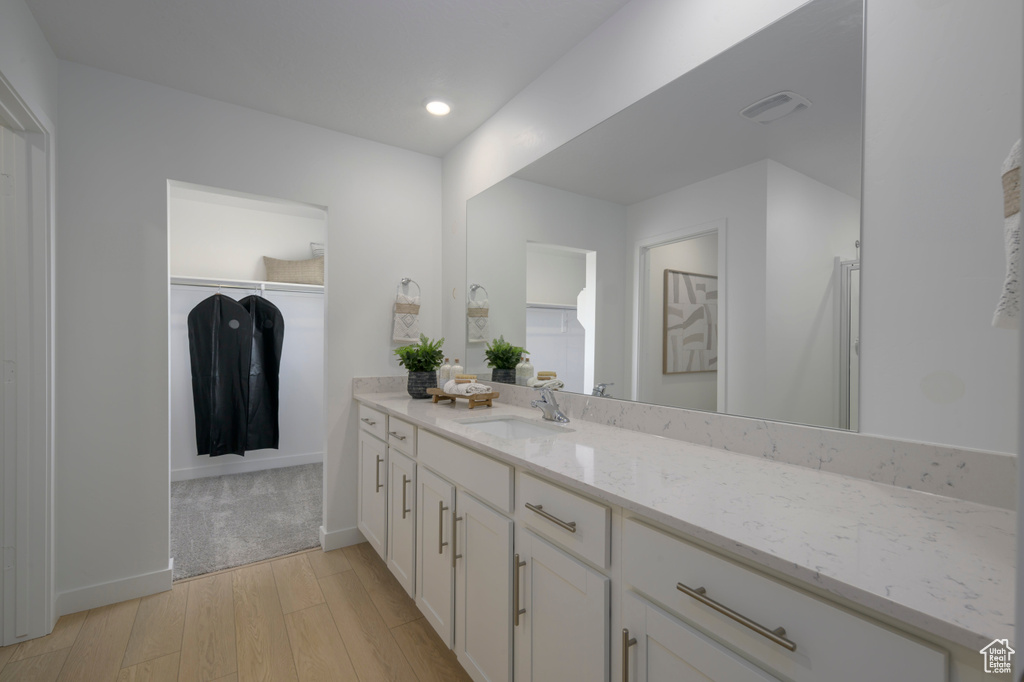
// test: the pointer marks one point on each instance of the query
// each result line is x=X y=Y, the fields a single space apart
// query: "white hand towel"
x=407 y=318
x=472 y=388
x=1007 y=315
x=553 y=384
x=477 y=321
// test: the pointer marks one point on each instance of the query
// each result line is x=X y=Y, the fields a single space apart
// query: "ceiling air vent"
x=774 y=107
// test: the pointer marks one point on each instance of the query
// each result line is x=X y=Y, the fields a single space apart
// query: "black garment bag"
x=220 y=345
x=264 y=371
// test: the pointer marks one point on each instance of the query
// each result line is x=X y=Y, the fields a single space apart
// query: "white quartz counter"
x=940 y=564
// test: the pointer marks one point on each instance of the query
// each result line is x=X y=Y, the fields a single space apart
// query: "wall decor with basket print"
x=690 y=338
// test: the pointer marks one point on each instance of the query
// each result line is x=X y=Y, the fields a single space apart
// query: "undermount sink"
x=513 y=428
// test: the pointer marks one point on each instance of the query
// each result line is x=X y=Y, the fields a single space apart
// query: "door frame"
x=28 y=460
x=641 y=271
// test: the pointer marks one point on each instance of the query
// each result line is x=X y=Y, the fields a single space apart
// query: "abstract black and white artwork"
x=690 y=340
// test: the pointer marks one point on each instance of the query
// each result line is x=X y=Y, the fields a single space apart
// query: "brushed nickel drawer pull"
x=380 y=460
x=396 y=435
x=441 y=509
x=627 y=642
x=516 y=611
x=455 y=535
x=368 y=421
x=539 y=508
x=405 y=482
x=777 y=635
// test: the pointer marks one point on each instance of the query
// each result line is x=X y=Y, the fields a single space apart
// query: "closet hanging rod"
x=248 y=285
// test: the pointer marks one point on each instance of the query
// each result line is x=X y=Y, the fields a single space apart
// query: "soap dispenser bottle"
x=520 y=381
x=526 y=372
x=444 y=374
x=457 y=369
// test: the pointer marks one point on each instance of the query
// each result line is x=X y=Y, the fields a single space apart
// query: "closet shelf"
x=252 y=285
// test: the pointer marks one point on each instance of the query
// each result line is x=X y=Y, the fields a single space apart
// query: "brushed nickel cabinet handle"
x=539 y=509
x=441 y=509
x=405 y=482
x=516 y=611
x=396 y=435
x=627 y=642
x=455 y=535
x=368 y=421
x=777 y=635
x=380 y=460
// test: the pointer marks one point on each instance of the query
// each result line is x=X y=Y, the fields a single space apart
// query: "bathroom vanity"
x=589 y=552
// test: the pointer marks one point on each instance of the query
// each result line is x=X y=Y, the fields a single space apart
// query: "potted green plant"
x=503 y=357
x=422 y=360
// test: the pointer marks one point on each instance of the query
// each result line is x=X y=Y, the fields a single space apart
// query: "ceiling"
x=691 y=129
x=363 y=67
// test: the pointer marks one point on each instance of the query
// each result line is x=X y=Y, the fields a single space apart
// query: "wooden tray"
x=474 y=400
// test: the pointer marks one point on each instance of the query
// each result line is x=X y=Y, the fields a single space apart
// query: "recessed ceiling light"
x=438 y=108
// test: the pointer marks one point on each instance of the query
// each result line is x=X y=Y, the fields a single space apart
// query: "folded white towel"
x=553 y=384
x=477 y=321
x=1007 y=315
x=407 y=318
x=472 y=388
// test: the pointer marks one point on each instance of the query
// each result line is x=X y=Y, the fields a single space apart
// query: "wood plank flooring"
x=311 y=616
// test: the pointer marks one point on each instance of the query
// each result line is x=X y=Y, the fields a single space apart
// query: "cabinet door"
x=402 y=519
x=482 y=541
x=563 y=635
x=373 y=492
x=668 y=650
x=435 y=575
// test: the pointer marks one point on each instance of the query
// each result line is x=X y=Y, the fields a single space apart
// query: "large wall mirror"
x=700 y=249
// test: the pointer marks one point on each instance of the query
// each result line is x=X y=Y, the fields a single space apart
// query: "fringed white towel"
x=1007 y=314
x=472 y=388
x=553 y=384
x=477 y=321
x=407 y=318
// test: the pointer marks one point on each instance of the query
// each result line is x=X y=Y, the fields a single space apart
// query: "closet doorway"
x=246 y=473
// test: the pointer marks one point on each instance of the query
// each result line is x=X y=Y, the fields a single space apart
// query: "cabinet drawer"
x=831 y=643
x=373 y=421
x=542 y=506
x=402 y=436
x=487 y=478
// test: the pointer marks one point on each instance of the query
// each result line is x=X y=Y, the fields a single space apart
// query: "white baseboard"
x=336 y=539
x=114 y=591
x=244 y=466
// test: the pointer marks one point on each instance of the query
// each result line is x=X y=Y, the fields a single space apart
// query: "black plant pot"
x=503 y=376
x=419 y=382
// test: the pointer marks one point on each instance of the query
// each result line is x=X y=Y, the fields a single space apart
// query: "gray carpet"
x=227 y=521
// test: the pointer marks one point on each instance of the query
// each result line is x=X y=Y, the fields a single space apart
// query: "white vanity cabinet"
x=402 y=519
x=373 y=491
x=656 y=647
x=435 y=577
x=561 y=628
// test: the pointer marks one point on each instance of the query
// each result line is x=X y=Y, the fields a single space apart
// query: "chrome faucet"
x=549 y=406
x=599 y=390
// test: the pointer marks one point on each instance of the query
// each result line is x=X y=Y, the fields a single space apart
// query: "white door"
x=435 y=576
x=482 y=540
x=402 y=519
x=668 y=650
x=563 y=634
x=373 y=492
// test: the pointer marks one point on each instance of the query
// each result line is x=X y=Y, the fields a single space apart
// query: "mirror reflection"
x=700 y=249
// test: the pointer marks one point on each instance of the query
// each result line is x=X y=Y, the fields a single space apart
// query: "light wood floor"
x=338 y=615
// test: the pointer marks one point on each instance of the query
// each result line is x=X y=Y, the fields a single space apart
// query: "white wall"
x=809 y=224
x=738 y=197
x=943 y=106
x=515 y=212
x=693 y=390
x=223 y=236
x=122 y=139
x=554 y=276
x=27 y=62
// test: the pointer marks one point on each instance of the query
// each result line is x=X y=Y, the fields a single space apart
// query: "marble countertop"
x=940 y=564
